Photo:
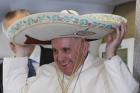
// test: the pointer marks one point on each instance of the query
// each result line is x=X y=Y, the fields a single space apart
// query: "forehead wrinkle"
x=66 y=42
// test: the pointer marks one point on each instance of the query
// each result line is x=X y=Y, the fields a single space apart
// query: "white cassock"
x=96 y=76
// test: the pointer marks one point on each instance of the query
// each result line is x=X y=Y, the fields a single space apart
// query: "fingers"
x=123 y=29
x=120 y=31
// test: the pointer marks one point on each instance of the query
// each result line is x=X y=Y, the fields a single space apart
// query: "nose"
x=60 y=56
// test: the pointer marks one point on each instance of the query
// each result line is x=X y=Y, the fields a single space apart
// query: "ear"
x=12 y=47
x=86 y=48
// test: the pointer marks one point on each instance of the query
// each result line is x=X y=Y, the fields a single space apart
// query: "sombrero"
x=40 y=28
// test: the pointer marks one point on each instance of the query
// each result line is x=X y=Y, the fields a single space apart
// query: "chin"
x=69 y=73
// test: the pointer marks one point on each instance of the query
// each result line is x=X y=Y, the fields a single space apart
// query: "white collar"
x=89 y=61
x=36 y=54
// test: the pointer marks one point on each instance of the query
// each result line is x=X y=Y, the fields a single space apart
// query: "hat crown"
x=70 y=12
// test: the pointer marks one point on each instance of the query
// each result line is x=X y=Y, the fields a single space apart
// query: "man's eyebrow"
x=66 y=48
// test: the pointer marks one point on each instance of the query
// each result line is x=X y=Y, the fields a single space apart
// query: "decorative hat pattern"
x=40 y=28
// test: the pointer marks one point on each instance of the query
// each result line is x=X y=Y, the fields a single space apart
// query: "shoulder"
x=95 y=61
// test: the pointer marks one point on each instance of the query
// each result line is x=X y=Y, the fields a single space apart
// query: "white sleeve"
x=15 y=74
x=119 y=78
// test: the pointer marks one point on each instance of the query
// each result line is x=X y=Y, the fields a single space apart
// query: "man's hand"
x=114 y=43
x=21 y=51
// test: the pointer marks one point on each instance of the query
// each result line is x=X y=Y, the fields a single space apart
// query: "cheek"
x=74 y=56
x=55 y=57
x=71 y=57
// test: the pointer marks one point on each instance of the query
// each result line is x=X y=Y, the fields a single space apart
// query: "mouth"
x=65 y=65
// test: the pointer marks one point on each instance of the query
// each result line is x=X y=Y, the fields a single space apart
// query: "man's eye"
x=66 y=49
x=54 y=50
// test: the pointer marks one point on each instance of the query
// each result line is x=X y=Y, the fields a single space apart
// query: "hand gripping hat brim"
x=41 y=28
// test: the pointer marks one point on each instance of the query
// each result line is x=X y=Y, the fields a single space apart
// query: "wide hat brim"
x=41 y=28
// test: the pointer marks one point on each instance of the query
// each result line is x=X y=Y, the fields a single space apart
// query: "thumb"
x=12 y=47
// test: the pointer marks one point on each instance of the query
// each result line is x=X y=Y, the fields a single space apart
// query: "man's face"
x=65 y=53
